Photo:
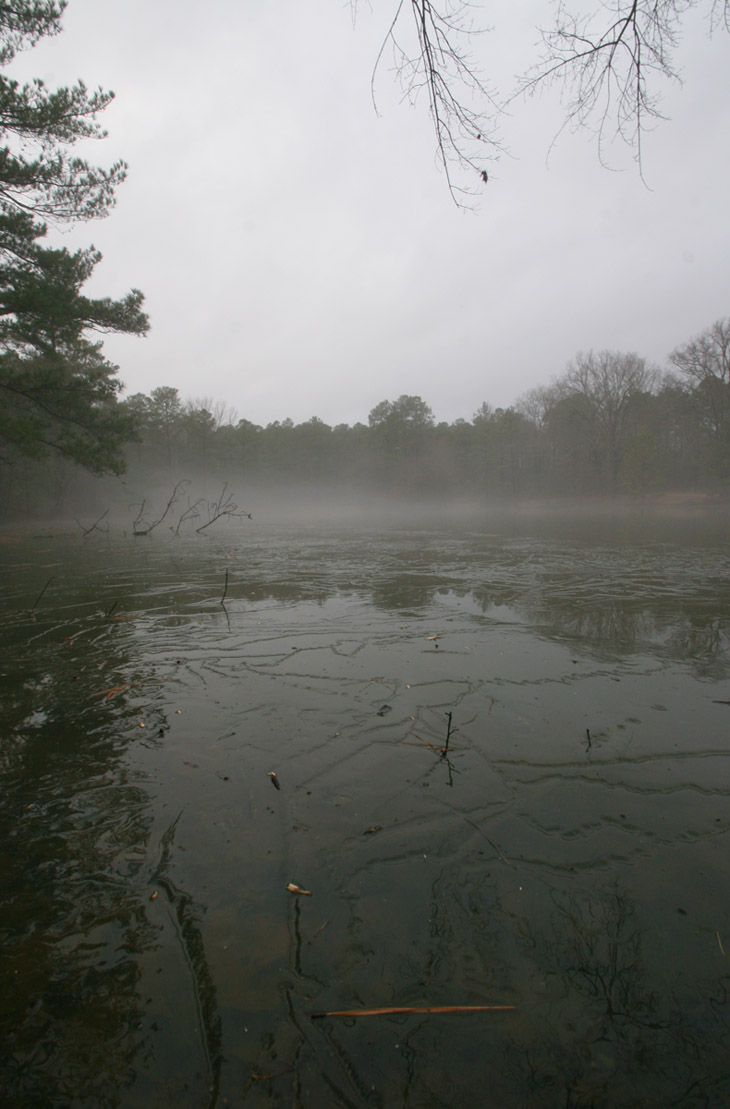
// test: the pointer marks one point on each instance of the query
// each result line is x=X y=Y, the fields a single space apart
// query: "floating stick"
x=389 y=1010
x=45 y=587
x=448 y=733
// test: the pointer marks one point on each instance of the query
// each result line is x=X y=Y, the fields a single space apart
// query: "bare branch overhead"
x=610 y=59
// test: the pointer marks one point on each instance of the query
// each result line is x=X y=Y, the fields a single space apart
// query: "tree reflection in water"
x=606 y=1033
x=81 y=862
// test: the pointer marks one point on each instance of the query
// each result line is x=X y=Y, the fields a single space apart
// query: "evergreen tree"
x=58 y=391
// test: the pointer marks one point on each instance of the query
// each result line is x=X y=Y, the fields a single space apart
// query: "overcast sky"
x=301 y=255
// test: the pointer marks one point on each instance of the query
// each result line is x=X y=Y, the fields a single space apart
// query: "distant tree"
x=704 y=364
x=164 y=417
x=59 y=392
x=603 y=386
x=645 y=462
x=198 y=432
x=399 y=430
x=609 y=61
x=407 y=413
x=223 y=414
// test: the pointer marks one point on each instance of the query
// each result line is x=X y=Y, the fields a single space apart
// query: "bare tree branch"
x=224 y=506
x=141 y=526
x=430 y=59
x=611 y=64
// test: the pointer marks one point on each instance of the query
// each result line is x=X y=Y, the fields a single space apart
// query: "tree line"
x=610 y=424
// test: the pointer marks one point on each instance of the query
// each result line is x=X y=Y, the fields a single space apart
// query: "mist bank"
x=610 y=430
x=151 y=504
x=455 y=472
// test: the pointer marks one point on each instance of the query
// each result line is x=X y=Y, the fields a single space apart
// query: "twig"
x=45 y=587
x=150 y=527
x=225 y=590
x=261 y=1076
x=319 y=930
x=389 y=1010
x=224 y=506
x=87 y=531
x=448 y=734
x=190 y=513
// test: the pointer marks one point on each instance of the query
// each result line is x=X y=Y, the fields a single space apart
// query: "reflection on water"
x=566 y=854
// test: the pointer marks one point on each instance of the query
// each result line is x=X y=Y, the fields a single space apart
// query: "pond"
x=493 y=760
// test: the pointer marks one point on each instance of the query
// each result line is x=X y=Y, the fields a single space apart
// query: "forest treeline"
x=611 y=424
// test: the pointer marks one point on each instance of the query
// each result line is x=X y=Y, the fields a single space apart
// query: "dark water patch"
x=535 y=848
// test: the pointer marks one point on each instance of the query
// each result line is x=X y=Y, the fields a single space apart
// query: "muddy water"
x=566 y=855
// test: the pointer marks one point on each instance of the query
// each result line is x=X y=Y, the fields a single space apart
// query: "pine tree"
x=58 y=391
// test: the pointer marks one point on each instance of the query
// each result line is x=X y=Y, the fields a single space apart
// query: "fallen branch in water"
x=190 y=513
x=224 y=506
x=141 y=526
x=94 y=526
x=390 y=1010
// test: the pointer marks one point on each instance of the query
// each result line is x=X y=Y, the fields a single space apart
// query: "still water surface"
x=567 y=855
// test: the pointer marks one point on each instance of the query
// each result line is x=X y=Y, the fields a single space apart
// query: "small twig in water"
x=319 y=930
x=261 y=1076
x=448 y=734
x=225 y=589
x=413 y=1009
x=224 y=506
x=87 y=531
x=45 y=587
x=588 y=737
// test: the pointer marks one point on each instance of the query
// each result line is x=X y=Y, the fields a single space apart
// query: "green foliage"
x=58 y=391
x=65 y=404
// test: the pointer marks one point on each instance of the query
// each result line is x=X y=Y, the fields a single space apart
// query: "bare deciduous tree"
x=705 y=361
x=609 y=61
x=431 y=59
x=222 y=413
x=607 y=382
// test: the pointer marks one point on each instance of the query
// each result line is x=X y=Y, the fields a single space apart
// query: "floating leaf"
x=384 y=710
x=294 y=888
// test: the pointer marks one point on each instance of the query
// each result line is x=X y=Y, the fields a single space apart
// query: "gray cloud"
x=301 y=255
